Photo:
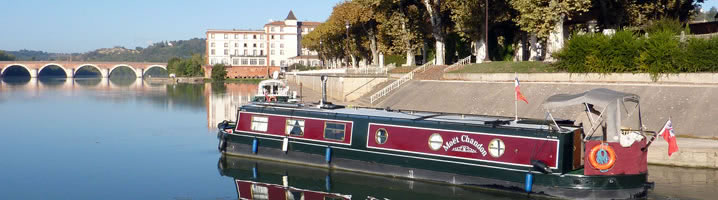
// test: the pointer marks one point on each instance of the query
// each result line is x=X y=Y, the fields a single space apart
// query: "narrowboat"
x=604 y=157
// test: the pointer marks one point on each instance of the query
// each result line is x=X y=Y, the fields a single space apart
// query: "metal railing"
x=460 y=63
x=367 y=70
x=396 y=84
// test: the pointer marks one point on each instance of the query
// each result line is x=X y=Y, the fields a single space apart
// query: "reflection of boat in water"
x=253 y=177
x=273 y=90
x=528 y=155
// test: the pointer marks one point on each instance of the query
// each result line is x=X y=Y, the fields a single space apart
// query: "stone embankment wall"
x=683 y=78
x=345 y=88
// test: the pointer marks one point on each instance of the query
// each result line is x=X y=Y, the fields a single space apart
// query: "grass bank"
x=508 y=67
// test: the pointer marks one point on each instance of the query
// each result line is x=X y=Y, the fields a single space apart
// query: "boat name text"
x=466 y=139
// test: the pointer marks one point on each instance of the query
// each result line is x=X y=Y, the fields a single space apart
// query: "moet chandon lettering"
x=466 y=139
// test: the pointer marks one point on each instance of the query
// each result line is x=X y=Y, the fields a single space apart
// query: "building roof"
x=291 y=16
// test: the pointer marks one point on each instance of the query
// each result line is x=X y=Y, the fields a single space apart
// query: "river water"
x=132 y=139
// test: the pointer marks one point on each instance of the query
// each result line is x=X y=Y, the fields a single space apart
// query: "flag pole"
x=516 y=99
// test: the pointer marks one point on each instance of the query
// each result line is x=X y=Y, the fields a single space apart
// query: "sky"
x=77 y=26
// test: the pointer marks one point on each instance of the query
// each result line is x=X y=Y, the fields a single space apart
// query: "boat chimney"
x=323 y=78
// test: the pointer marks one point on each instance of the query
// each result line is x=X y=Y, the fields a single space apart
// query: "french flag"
x=519 y=96
x=669 y=136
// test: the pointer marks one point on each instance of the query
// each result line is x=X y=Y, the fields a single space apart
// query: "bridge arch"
x=122 y=65
x=102 y=72
x=2 y=73
x=144 y=73
x=53 y=64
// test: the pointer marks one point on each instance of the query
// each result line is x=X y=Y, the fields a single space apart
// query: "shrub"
x=398 y=60
x=672 y=26
x=701 y=55
x=660 y=53
x=219 y=72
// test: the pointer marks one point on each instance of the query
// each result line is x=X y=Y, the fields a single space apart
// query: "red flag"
x=669 y=136
x=519 y=96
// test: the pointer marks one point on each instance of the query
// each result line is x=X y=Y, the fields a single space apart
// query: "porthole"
x=435 y=141
x=381 y=136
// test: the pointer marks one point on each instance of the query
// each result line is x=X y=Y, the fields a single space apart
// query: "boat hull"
x=573 y=186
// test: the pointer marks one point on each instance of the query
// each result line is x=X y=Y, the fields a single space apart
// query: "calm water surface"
x=126 y=139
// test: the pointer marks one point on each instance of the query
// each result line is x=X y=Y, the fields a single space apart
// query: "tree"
x=434 y=8
x=6 y=56
x=469 y=17
x=219 y=72
x=541 y=16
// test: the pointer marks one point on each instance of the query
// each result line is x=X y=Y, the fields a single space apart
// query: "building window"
x=281 y=52
x=236 y=52
x=254 y=45
x=332 y=131
x=261 y=52
x=273 y=30
x=245 y=61
x=235 y=62
x=212 y=35
x=381 y=136
x=261 y=61
x=282 y=63
x=245 y=52
x=252 y=61
x=261 y=37
x=236 y=36
x=211 y=44
x=226 y=52
x=226 y=44
x=212 y=53
x=244 y=36
x=261 y=45
x=245 y=44
x=281 y=45
x=271 y=51
x=295 y=127
x=272 y=36
x=254 y=52
x=301 y=62
x=226 y=36
x=254 y=37
x=281 y=37
x=236 y=44
x=273 y=63
x=271 y=45
x=281 y=29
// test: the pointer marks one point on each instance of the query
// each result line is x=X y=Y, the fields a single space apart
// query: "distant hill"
x=157 y=52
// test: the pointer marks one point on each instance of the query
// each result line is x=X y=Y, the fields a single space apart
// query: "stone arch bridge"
x=71 y=67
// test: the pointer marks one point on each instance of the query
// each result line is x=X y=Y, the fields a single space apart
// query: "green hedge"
x=660 y=52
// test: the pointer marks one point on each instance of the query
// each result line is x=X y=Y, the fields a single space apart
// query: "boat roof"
x=600 y=97
x=421 y=115
x=270 y=82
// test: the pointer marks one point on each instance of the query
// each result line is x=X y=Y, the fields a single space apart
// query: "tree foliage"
x=540 y=16
x=186 y=66
x=6 y=56
x=219 y=72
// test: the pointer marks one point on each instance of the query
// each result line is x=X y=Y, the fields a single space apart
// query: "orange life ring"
x=273 y=98
x=604 y=161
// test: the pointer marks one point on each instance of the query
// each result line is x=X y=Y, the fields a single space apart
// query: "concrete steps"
x=366 y=100
x=434 y=72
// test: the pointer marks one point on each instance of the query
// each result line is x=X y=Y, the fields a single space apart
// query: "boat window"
x=295 y=127
x=259 y=123
x=259 y=192
x=334 y=131
x=381 y=136
x=333 y=198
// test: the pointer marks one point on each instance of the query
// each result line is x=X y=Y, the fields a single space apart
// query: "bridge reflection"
x=36 y=84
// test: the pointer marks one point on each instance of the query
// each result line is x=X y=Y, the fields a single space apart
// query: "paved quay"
x=690 y=107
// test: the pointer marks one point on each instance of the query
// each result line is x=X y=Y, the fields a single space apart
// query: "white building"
x=272 y=46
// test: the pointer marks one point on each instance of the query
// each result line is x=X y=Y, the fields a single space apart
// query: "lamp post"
x=347 y=47
x=319 y=53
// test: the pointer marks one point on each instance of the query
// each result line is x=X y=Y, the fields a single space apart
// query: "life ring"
x=272 y=98
x=605 y=160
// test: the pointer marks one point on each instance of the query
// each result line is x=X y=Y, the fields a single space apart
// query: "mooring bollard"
x=328 y=156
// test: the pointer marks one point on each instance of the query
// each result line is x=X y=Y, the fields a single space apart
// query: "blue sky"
x=67 y=26
x=83 y=25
